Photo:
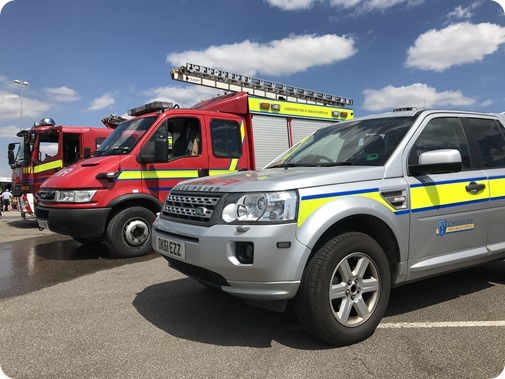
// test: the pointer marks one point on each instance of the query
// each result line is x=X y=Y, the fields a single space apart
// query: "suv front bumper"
x=210 y=256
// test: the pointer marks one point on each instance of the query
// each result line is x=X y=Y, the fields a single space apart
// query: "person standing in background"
x=6 y=199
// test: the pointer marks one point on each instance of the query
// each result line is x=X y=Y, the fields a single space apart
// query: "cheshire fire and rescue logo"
x=454 y=226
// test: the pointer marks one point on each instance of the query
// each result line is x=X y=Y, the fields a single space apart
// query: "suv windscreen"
x=367 y=142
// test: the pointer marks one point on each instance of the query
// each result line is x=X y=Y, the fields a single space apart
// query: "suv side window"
x=490 y=140
x=226 y=141
x=442 y=133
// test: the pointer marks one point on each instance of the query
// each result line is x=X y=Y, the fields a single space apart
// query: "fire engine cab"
x=45 y=149
x=114 y=196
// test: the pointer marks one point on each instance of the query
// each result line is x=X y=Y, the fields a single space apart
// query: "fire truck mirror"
x=10 y=156
x=87 y=152
x=161 y=150
x=159 y=155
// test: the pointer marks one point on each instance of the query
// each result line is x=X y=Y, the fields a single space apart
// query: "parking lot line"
x=447 y=324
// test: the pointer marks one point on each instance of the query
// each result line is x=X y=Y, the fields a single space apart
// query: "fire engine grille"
x=46 y=195
x=190 y=207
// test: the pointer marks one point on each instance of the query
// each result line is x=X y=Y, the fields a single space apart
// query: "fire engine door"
x=187 y=156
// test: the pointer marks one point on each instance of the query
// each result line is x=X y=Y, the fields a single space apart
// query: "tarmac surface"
x=70 y=312
x=14 y=228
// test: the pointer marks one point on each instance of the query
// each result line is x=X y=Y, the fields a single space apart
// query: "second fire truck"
x=45 y=149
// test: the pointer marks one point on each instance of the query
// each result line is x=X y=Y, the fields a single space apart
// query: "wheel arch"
x=371 y=226
x=368 y=215
x=133 y=200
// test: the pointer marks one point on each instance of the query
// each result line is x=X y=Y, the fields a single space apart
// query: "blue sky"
x=86 y=59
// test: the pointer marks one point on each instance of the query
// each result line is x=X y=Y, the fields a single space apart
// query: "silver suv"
x=350 y=211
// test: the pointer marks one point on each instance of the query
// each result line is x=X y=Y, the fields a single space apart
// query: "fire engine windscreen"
x=358 y=142
x=24 y=149
x=124 y=138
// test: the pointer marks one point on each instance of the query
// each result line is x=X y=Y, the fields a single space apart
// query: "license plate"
x=43 y=224
x=172 y=248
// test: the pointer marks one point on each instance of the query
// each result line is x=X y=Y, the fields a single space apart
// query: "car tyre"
x=344 y=290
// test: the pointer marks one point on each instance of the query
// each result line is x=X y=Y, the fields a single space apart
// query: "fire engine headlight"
x=80 y=196
x=261 y=207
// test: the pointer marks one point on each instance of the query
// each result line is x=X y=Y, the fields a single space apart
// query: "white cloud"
x=460 y=12
x=454 y=45
x=415 y=95
x=9 y=132
x=488 y=102
x=101 y=102
x=185 y=97
x=279 y=57
x=360 y=5
x=291 y=5
x=62 y=94
x=10 y=106
x=464 y=12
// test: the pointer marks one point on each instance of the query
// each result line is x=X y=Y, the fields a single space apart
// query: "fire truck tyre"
x=129 y=232
x=344 y=290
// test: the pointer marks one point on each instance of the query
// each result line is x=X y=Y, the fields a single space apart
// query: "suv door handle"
x=474 y=187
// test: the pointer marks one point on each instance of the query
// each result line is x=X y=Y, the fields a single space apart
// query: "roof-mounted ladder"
x=214 y=78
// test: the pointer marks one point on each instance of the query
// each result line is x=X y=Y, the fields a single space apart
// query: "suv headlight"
x=261 y=207
x=80 y=196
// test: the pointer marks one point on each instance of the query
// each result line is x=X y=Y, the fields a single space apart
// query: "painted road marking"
x=448 y=324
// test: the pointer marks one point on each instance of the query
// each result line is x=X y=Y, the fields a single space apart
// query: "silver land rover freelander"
x=350 y=211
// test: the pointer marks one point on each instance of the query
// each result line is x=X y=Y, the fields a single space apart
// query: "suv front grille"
x=192 y=207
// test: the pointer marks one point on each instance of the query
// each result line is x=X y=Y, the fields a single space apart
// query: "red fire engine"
x=45 y=149
x=114 y=196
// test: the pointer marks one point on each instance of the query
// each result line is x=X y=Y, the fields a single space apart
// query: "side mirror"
x=437 y=162
x=87 y=152
x=161 y=150
x=10 y=156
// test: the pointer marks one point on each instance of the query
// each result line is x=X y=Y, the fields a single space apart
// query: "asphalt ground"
x=79 y=314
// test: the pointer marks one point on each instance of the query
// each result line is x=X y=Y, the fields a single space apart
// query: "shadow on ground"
x=185 y=309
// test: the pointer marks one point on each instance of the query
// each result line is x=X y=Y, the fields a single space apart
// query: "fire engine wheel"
x=129 y=232
x=344 y=290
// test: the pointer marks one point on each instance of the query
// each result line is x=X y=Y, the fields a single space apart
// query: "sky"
x=86 y=59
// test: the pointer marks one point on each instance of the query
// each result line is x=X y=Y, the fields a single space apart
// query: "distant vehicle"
x=114 y=196
x=337 y=220
x=45 y=149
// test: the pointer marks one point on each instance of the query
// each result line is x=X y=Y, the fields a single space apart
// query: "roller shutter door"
x=270 y=138
x=302 y=128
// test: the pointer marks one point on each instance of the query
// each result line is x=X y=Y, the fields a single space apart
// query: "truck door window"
x=442 y=133
x=99 y=141
x=226 y=141
x=71 y=148
x=183 y=136
x=490 y=140
x=186 y=137
x=48 y=146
